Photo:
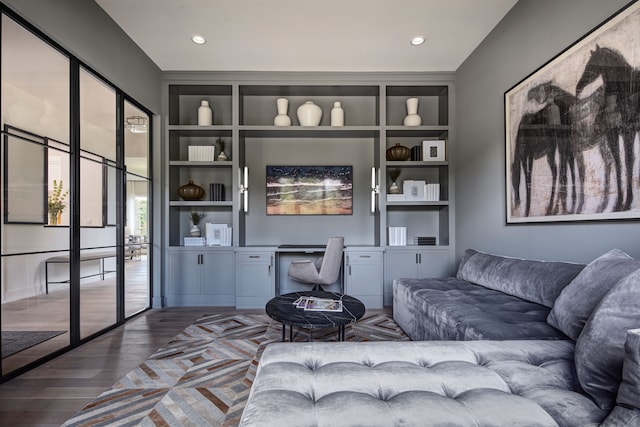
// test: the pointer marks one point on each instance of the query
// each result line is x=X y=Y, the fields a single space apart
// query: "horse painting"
x=617 y=111
x=541 y=134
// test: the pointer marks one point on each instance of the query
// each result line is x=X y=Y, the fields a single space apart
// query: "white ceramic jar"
x=337 y=114
x=309 y=114
x=412 y=118
x=282 y=119
x=205 y=115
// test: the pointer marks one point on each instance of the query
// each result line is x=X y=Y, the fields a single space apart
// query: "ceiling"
x=303 y=35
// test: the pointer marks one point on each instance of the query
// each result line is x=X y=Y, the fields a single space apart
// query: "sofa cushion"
x=453 y=383
x=629 y=391
x=536 y=281
x=600 y=347
x=578 y=299
x=453 y=309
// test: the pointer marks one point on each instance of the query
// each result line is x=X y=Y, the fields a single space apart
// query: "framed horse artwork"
x=572 y=130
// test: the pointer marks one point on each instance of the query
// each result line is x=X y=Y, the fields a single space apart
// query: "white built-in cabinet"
x=363 y=276
x=413 y=263
x=201 y=276
x=243 y=111
x=255 y=278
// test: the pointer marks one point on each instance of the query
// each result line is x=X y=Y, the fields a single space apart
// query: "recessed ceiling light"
x=197 y=39
x=417 y=40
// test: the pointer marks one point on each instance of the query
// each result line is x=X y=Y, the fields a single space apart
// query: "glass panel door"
x=137 y=236
x=98 y=230
x=34 y=233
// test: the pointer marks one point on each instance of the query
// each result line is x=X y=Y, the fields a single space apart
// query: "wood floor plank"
x=52 y=393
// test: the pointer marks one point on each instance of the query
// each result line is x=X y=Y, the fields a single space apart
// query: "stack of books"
x=194 y=241
x=218 y=234
x=397 y=236
x=202 y=153
x=432 y=192
x=216 y=192
x=424 y=240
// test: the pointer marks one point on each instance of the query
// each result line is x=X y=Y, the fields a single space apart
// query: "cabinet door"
x=364 y=277
x=219 y=276
x=185 y=273
x=255 y=279
x=433 y=263
x=398 y=264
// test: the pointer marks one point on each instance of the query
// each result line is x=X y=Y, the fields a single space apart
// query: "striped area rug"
x=203 y=376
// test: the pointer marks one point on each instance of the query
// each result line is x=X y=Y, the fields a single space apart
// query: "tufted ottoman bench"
x=453 y=383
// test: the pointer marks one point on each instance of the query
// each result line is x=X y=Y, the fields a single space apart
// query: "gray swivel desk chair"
x=324 y=271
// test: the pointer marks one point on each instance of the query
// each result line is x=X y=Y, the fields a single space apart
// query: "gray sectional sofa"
x=512 y=342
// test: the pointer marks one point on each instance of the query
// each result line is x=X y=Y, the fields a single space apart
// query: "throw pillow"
x=531 y=280
x=599 y=353
x=629 y=391
x=578 y=299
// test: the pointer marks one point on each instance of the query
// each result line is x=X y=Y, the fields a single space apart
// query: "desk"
x=65 y=259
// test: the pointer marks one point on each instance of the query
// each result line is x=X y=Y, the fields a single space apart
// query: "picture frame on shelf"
x=414 y=190
x=575 y=112
x=433 y=150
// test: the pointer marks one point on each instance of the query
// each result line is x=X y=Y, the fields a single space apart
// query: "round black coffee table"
x=283 y=310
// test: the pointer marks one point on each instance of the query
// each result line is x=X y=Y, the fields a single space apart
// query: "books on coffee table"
x=318 y=304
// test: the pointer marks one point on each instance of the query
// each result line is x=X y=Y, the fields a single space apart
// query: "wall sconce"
x=243 y=179
x=136 y=124
x=375 y=187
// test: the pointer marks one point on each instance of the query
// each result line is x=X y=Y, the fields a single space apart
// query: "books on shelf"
x=424 y=240
x=218 y=234
x=416 y=191
x=216 y=192
x=201 y=153
x=432 y=192
x=318 y=304
x=395 y=197
x=397 y=236
x=194 y=241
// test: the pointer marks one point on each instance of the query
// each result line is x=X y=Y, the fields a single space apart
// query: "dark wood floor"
x=50 y=394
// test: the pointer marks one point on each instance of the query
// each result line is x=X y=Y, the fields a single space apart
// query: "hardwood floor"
x=50 y=311
x=50 y=394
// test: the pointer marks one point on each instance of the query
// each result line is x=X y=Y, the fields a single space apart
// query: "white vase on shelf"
x=282 y=119
x=309 y=114
x=194 y=231
x=337 y=114
x=205 y=115
x=412 y=118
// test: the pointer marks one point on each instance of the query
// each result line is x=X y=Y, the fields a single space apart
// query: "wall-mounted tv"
x=309 y=190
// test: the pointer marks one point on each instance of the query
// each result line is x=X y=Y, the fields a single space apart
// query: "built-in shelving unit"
x=243 y=114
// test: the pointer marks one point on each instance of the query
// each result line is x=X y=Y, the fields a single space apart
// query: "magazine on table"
x=318 y=304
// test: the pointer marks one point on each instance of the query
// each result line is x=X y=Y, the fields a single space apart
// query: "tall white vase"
x=309 y=114
x=205 y=115
x=282 y=119
x=412 y=118
x=337 y=114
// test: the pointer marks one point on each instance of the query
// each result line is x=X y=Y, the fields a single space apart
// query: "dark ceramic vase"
x=191 y=191
x=398 y=152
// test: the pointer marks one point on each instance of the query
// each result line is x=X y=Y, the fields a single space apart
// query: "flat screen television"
x=309 y=190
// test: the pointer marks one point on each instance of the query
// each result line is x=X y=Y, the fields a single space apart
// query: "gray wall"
x=89 y=33
x=532 y=33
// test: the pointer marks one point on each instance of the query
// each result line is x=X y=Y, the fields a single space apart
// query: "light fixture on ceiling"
x=417 y=40
x=136 y=124
x=198 y=39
